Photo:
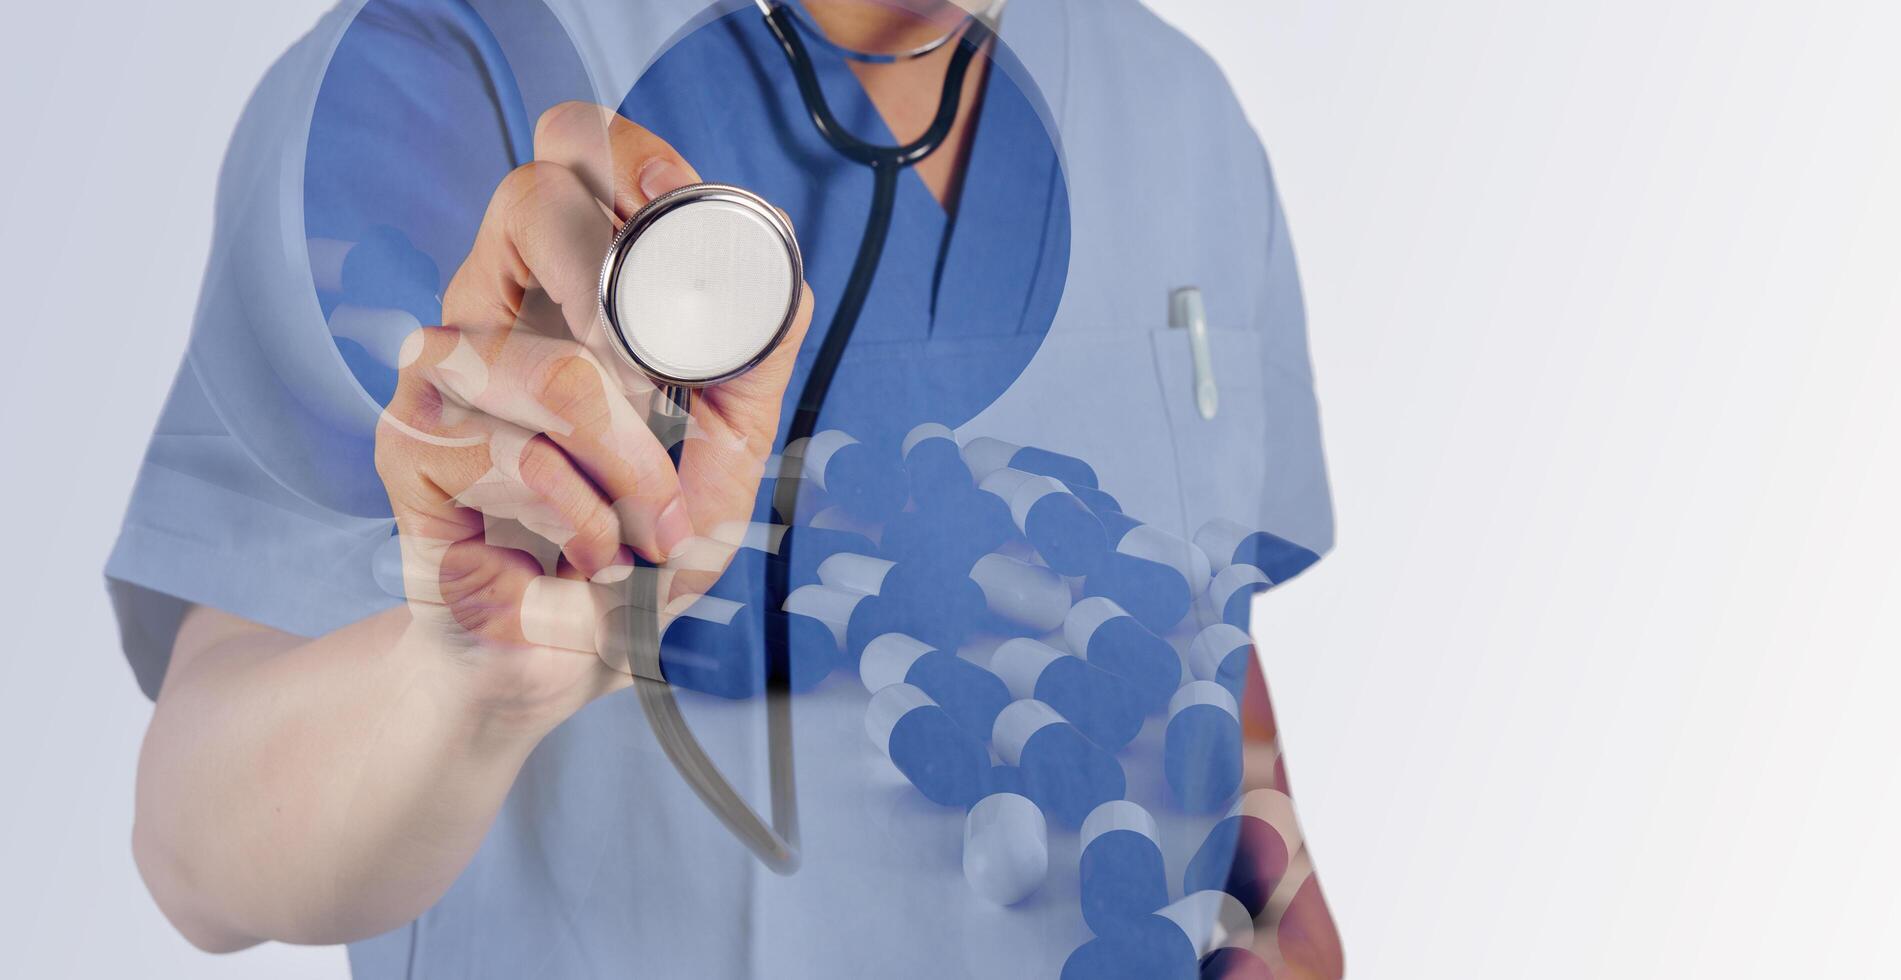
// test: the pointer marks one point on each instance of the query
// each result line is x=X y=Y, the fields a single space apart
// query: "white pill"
x=1006 y=848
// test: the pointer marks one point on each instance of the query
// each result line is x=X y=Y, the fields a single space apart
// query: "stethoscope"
x=699 y=287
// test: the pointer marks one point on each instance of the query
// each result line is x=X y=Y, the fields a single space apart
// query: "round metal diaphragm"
x=701 y=285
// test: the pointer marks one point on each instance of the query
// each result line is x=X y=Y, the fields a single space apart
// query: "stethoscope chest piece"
x=701 y=285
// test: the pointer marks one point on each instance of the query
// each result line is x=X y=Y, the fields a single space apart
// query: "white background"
x=1600 y=681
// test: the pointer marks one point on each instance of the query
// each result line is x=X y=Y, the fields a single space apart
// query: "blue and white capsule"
x=855 y=619
x=934 y=463
x=801 y=548
x=1122 y=873
x=1065 y=773
x=986 y=455
x=1167 y=944
x=1154 y=593
x=946 y=763
x=950 y=532
x=867 y=483
x=1201 y=751
x=1104 y=634
x=1139 y=540
x=1227 y=543
x=710 y=646
x=935 y=604
x=1098 y=501
x=1231 y=593
x=1022 y=598
x=1063 y=530
x=971 y=695
x=1101 y=705
x=1247 y=853
x=1006 y=848
x=1221 y=653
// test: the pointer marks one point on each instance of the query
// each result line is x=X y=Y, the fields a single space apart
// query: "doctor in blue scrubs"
x=343 y=753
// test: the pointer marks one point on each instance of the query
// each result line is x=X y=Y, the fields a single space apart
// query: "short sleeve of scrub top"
x=379 y=133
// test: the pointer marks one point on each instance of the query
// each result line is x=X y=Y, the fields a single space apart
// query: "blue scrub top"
x=1038 y=314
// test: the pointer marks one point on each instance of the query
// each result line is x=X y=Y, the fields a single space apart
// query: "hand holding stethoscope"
x=527 y=411
x=504 y=419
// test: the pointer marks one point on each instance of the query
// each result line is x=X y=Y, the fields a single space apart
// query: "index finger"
x=622 y=162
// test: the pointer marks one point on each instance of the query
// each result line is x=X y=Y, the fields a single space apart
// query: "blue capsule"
x=971 y=695
x=1154 y=593
x=950 y=532
x=1102 y=633
x=1122 y=874
x=1148 y=947
x=1228 y=543
x=712 y=647
x=1231 y=593
x=934 y=464
x=1170 y=943
x=1063 y=530
x=806 y=548
x=1023 y=599
x=1065 y=773
x=932 y=603
x=1222 y=653
x=1101 y=705
x=1234 y=963
x=1159 y=546
x=986 y=455
x=800 y=549
x=1245 y=854
x=865 y=482
x=854 y=619
x=1201 y=755
x=947 y=764
x=1096 y=500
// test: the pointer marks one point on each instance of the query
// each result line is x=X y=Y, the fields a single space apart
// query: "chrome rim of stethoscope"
x=989 y=15
x=644 y=219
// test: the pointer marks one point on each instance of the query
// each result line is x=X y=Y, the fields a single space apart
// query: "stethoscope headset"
x=700 y=286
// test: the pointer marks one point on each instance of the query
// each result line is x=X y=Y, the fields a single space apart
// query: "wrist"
x=495 y=698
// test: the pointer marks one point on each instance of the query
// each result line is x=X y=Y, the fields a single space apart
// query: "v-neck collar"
x=985 y=194
x=867 y=122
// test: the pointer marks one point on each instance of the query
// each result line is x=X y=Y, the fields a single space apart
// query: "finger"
x=482 y=588
x=559 y=389
x=596 y=617
x=620 y=161
x=532 y=481
x=764 y=386
x=515 y=491
x=543 y=230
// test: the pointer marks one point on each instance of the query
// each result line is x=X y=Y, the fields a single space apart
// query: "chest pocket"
x=1124 y=399
x=1094 y=391
x=1258 y=460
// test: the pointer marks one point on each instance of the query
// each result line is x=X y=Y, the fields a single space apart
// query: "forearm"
x=317 y=791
